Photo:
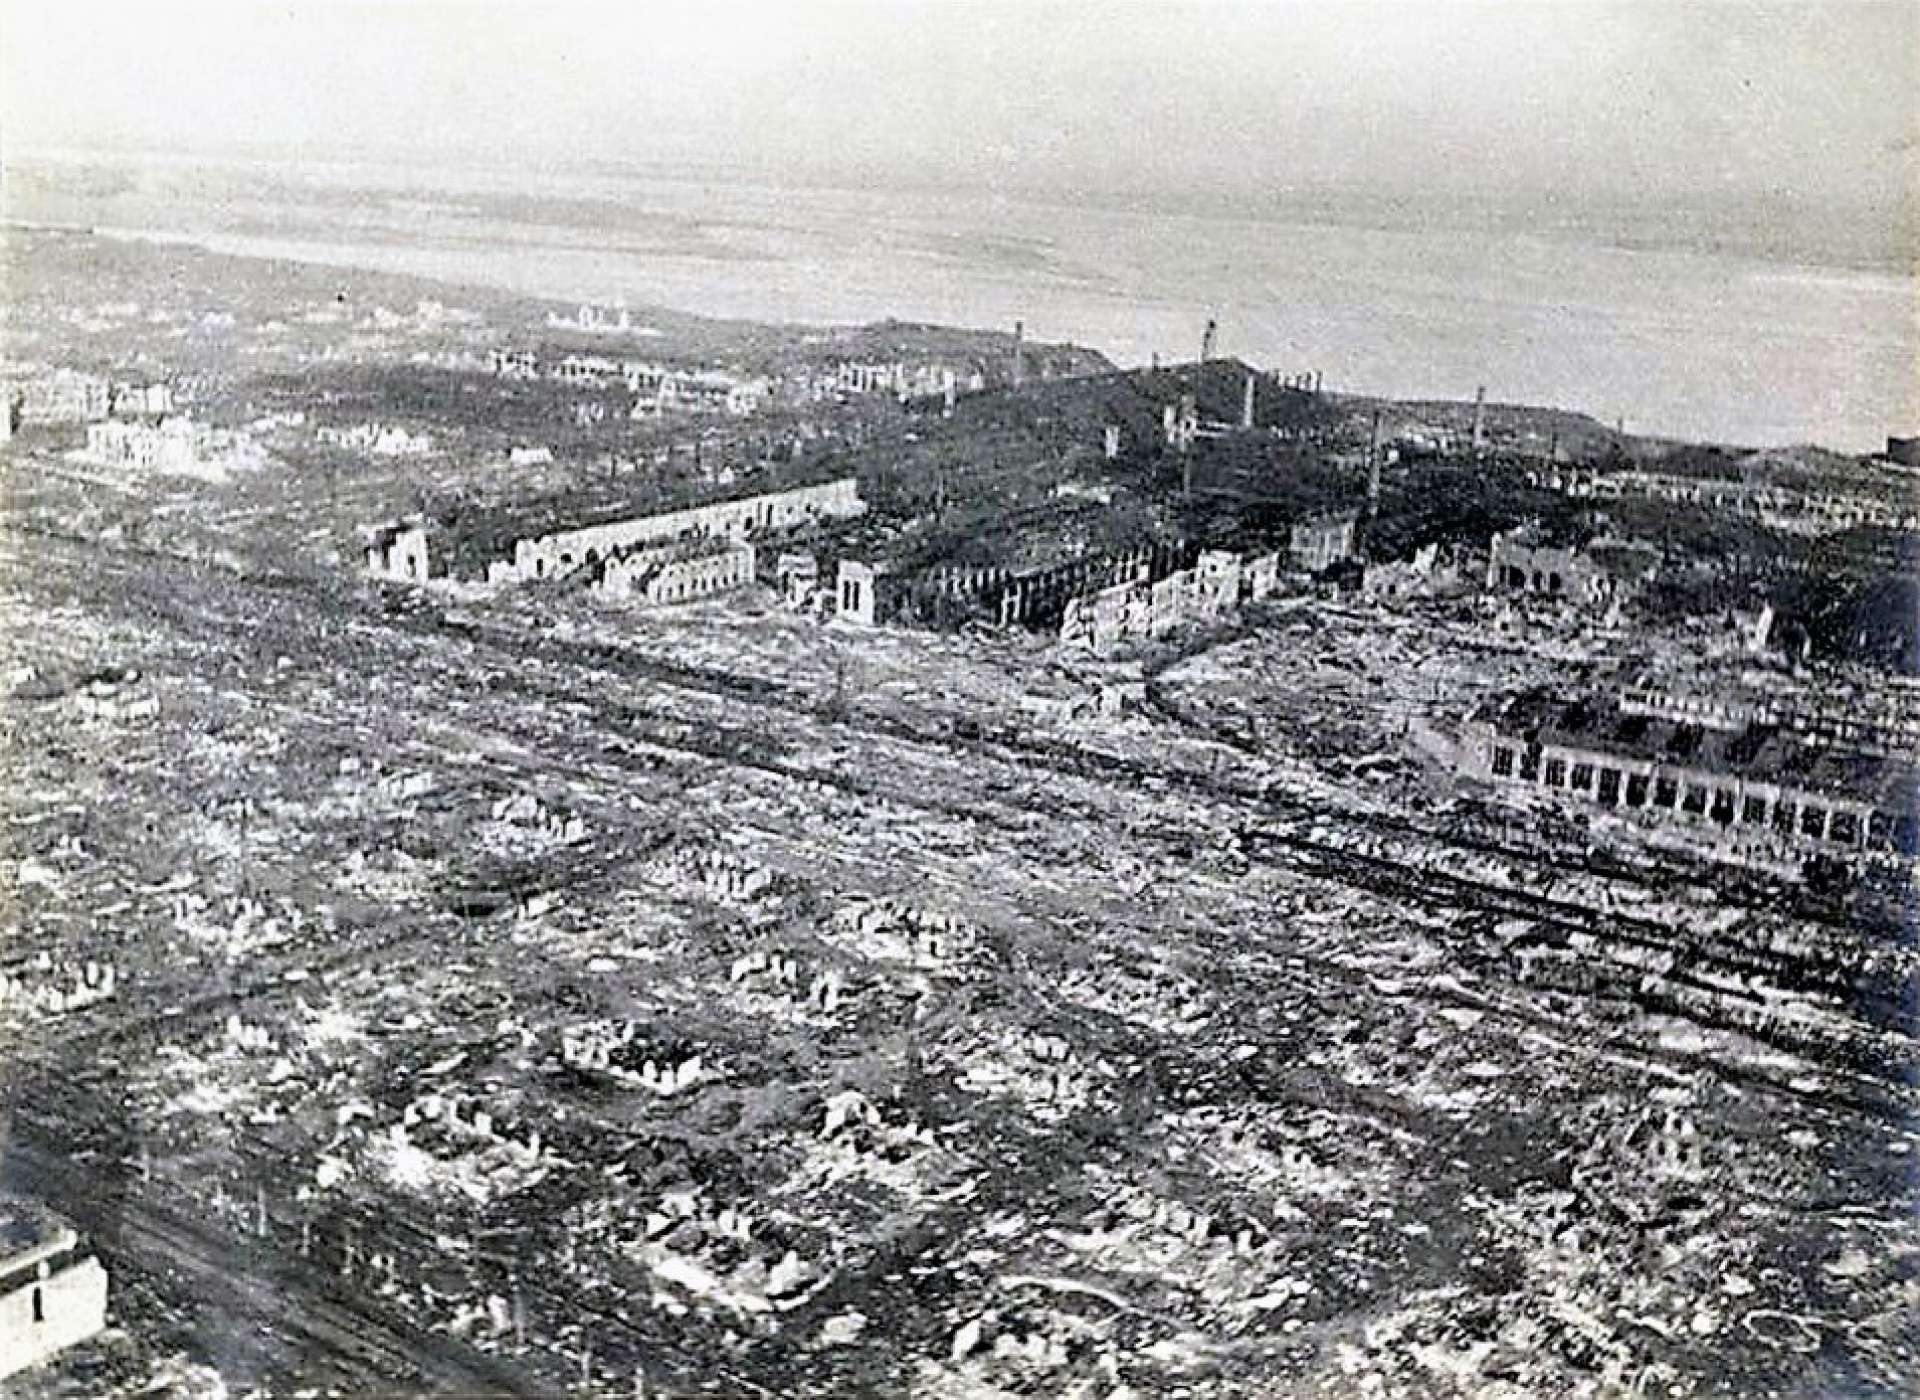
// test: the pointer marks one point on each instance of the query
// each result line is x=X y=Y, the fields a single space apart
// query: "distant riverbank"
x=1686 y=344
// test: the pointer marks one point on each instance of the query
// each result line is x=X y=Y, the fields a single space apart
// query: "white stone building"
x=52 y=1294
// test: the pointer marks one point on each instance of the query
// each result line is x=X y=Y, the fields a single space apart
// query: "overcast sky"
x=1817 y=99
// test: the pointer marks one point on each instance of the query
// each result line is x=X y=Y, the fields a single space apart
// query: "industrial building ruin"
x=1753 y=780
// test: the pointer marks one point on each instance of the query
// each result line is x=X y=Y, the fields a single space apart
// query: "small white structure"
x=595 y=320
x=798 y=574
x=52 y=1295
x=400 y=552
x=381 y=440
x=859 y=596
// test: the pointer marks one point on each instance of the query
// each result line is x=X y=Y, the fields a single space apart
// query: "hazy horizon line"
x=840 y=175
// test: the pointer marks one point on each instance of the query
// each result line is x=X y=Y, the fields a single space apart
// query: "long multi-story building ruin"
x=1757 y=781
x=1780 y=505
x=416 y=551
x=772 y=512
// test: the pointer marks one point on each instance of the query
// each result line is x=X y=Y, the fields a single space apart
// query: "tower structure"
x=1373 y=465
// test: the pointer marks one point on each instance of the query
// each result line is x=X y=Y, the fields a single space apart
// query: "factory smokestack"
x=1246 y=406
x=1207 y=339
x=1480 y=418
x=1019 y=353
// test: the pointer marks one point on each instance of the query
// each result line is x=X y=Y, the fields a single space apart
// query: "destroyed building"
x=1881 y=724
x=1218 y=582
x=678 y=571
x=657 y=388
x=380 y=439
x=53 y=1294
x=1321 y=541
x=142 y=400
x=1142 y=413
x=1780 y=499
x=400 y=552
x=1035 y=594
x=1594 y=574
x=1750 y=778
x=171 y=444
x=60 y=396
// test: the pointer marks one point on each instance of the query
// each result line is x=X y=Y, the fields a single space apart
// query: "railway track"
x=710 y=739
x=512 y=647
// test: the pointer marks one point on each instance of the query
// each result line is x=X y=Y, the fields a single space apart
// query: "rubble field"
x=589 y=1020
